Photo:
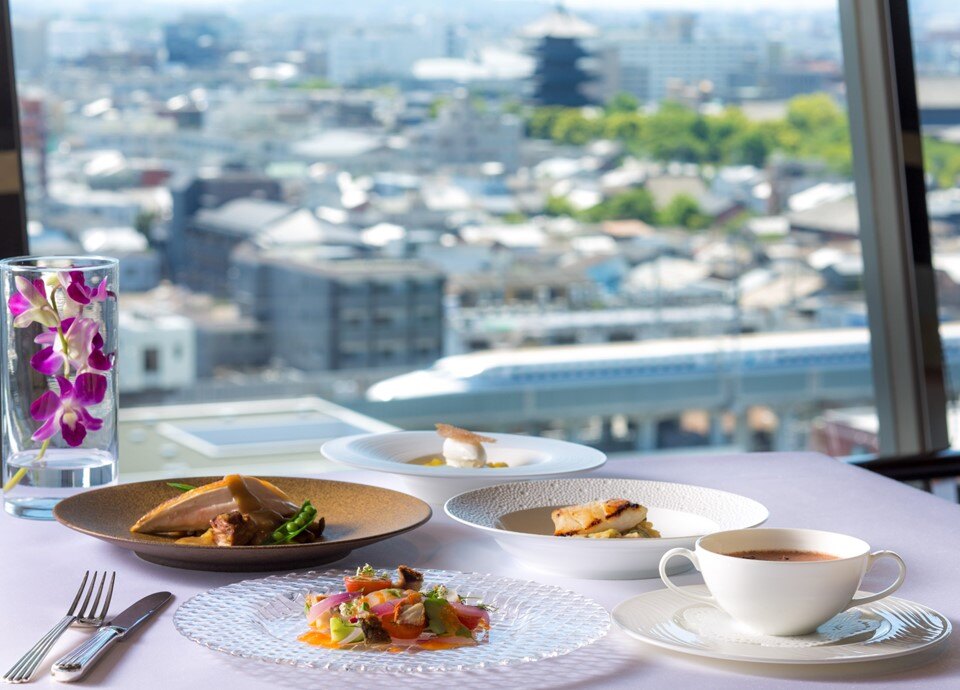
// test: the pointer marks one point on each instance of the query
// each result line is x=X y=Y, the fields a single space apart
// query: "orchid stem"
x=63 y=338
x=19 y=474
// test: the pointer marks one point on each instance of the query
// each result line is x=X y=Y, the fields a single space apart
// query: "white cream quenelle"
x=462 y=448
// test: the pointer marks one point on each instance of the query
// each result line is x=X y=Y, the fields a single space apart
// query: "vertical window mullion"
x=898 y=274
x=13 y=233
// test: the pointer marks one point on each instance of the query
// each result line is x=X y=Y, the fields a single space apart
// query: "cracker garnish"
x=462 y=435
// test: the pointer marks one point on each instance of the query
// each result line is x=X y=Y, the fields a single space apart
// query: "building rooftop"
x=840 y=217
x=339 y=143
x=244 y=216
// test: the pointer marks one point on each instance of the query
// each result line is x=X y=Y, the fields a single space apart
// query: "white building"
x=382 y=53
x=463 y=135
x=649 y=65
x=157 y=352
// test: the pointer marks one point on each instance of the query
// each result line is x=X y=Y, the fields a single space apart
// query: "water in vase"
x=60 y=473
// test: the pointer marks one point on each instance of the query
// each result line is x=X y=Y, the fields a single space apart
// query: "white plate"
x=261 y=619
x=528 y=457
x=887 y=628
x=518 y=517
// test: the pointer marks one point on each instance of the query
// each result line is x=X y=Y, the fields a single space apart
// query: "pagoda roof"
x=559 y=24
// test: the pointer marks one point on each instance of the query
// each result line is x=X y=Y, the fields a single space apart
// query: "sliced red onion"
x=471 y=611
x=326 y=604
x=385 y=607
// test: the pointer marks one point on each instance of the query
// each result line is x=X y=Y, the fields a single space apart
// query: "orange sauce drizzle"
x=433 y=645
x=319 y=639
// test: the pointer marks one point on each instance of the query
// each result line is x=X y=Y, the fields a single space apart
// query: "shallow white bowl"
x=518 y=516
x=528 y=457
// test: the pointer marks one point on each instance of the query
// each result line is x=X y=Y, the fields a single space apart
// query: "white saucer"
x=885 y=629
x=527 y=457
x=517 y=515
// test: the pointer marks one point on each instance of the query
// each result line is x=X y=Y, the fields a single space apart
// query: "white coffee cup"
x=782 y=597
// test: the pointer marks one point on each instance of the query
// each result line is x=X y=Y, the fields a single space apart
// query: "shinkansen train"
x=831 y=354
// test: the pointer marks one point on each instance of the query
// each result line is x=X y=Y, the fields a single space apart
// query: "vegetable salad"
x=375 y=609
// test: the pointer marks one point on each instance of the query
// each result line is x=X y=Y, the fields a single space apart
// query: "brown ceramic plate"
x=356 y=515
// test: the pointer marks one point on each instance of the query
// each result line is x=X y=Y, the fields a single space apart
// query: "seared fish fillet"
x=193 y=510
x=599 y=516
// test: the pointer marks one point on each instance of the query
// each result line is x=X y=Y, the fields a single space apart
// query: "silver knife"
x=74 y=665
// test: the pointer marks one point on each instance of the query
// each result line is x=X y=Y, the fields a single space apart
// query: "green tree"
x=625 y=127
x=813 y=112
x=722 y=130
x=540 y=125
x=558 y=206
x=683 y=211
x=941 y=159
x=622 y=102
x=820 y=131
x=633 y=204
x=514 y=218
x=573 y=127
x=436 y=105
x=512 y=107
x=315 y=84
x=675 y=133
x=751 y=147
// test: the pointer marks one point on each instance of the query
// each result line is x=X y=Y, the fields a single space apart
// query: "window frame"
x=13 y=239
x=907 y=358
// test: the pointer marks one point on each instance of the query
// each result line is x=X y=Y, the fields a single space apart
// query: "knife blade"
x=75 y=665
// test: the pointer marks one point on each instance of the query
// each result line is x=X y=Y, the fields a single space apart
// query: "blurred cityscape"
x=633 y=229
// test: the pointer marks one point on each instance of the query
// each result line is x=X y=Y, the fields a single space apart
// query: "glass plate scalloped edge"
x=260 y=619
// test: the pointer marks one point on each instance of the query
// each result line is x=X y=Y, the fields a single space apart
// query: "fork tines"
x=27 y=664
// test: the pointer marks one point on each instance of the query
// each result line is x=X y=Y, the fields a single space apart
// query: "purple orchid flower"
x=29 y=304
x=78 y=293
x=67 y=412
x=84 y=348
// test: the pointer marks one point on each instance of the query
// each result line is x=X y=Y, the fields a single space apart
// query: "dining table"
x=42 y=563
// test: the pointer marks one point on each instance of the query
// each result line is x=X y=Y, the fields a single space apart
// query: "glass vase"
x=59 y=330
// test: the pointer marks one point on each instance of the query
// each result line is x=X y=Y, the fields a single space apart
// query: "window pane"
x=631 y=228
x=936 y=43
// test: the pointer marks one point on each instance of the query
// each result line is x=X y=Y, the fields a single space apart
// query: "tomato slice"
x=469 y=622
x=365 y=585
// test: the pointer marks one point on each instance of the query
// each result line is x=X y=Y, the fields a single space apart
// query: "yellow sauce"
x=438 y=461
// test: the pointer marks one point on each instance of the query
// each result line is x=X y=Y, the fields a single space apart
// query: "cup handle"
x=871 y=559
x=692 y=557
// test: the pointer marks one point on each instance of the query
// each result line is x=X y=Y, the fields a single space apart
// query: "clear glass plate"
x=261 y=619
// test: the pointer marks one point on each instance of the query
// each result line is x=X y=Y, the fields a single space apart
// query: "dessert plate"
x=355 y=515
x=884 y=629
x=262 y=619
x=518 y=516
x=527 y=457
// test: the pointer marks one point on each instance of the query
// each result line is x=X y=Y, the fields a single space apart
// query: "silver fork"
x=24 y=668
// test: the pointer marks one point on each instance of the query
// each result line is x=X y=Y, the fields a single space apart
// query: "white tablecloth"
x=42 y=563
